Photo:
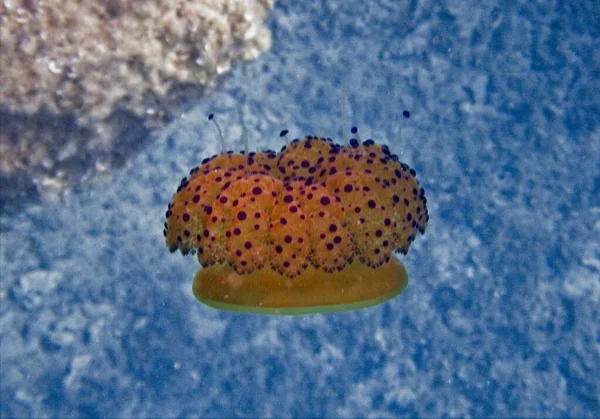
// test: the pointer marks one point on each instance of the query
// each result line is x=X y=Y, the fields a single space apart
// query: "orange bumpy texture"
x=314 y=203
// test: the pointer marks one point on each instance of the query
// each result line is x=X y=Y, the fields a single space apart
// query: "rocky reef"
x=84 y=82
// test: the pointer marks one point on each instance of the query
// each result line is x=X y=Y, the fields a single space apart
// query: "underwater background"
x=502 y=313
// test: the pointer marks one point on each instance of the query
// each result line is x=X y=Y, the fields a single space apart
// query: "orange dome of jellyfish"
x=310 y=229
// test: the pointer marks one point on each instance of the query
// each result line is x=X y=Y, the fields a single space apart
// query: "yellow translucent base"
x=267 y=292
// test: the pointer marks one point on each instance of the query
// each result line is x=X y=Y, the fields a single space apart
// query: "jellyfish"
x=311 y=229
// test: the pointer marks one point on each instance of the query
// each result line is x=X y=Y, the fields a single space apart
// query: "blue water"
x=501 y=317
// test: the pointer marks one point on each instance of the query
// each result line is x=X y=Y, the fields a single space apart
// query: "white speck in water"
x=54 y=67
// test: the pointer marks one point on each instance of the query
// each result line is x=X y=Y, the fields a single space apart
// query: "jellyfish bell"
x=313 y=291
x=310 y=229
